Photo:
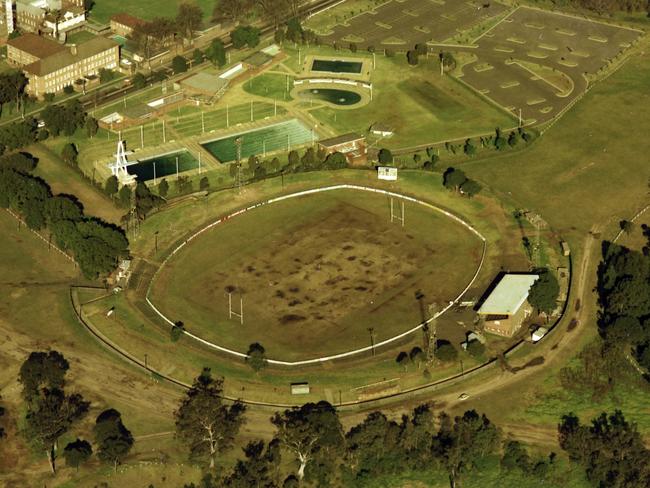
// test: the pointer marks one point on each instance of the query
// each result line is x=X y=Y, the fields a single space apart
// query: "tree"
x=461 y=445
x=256 y=357
x=469 y=149
x=179 y=64
x=2 y=413
x=308 y=431
x=626 y=226
x=403 y=360
x=112 y=186
x=385 y=156
x=258 y=469
x=453 y=179
x=69 y=154
x=106 y=75
x=50 y=415
x=163 y=188
x=231 y=10
x=513 y=138
x=470 y=188
x=204 y=184
x=204 y=423
x=446 y=352
x=91 y=126
x=499 y=141
x=216 y=52
x=544 y=292
x=412 y=57
x=42 y=370
x=373 y=446
x=245 y=35
x=139 y=81
x=188 y=19
x=68 y=89
x=611 y=450
x=514 y=457
x=417 y=356
x=476 y=349
x=77 y=452
x=124 y=196
x=113 y=439
x=197 y=57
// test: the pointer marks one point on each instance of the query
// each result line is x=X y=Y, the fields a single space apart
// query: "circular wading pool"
x=331 y=95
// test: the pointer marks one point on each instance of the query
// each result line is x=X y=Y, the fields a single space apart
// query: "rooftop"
x=344 y=139
x=204 y=82
x=37 y=46
x=509 y=295
x=127 y=19
x=65 y=58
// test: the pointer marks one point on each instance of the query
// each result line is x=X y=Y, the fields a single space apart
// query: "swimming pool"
x=331 y=95
x=337 y=66
x=258 y=142
x=163 y=165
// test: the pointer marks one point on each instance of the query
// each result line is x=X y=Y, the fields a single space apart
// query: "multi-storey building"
x=30 y=48
x=50 y=17
x=54 y=69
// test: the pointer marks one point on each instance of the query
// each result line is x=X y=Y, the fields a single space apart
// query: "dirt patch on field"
x=328 y=270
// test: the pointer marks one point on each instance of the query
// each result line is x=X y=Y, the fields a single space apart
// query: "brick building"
x=506 y=307
x=124 y=24
x=55 y=69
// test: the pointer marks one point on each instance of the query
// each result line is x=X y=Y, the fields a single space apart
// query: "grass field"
x=286 y=258
x=103 y=10
x=270 y=85
x=595 y=151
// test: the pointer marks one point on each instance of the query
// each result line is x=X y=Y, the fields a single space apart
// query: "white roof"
x=509 y=295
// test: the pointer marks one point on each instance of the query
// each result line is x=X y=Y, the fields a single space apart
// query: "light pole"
x=372 y=339
x=155 y=236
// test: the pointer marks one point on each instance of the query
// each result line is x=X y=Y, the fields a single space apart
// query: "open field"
x=593 y=152
x=537 y=61
x=103 y=10
x=315 y=273
x=402 y=24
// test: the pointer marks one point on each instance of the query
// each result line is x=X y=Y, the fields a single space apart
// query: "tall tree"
x=42 y=370
x=188 y=19
x=544 y=292
x=49 y=416
x=259 y=467
x=460 y=445
x=216 y=52
x=114 y=440
x=77 y=452
x=308 y=431
x=204 y=423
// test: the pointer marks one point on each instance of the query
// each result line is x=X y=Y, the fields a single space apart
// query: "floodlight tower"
x=238 y=143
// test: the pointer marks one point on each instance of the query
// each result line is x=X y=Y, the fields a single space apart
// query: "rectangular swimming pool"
x=337 y=66
x=257 y=142
x=163 y=165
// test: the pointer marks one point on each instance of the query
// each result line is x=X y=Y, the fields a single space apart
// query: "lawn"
x=270 y=85
x=591 y=167
x=103 y=10
x=421 y=106
x=284 y=259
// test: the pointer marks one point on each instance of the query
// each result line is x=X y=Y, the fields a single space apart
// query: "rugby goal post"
x=396 y=215
x=232 y=313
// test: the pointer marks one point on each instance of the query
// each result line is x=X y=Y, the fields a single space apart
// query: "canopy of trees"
x=610 y=449
x=96 y=245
